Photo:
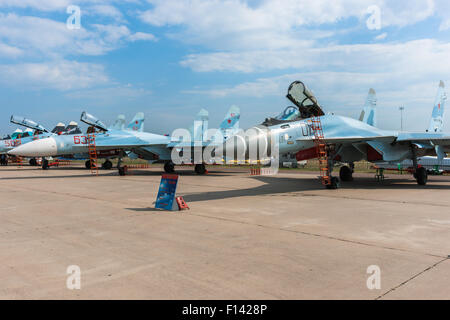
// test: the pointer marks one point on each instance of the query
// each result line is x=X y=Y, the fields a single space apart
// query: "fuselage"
x=10 y=144
x=79 y=143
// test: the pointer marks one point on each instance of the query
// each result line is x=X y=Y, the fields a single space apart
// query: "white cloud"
x=60 y=75
x=9 y=51
x=41 y=37
x=381 y=36
x=237 y=25
x=138 y=36
x=110 y=93
x=421 y=56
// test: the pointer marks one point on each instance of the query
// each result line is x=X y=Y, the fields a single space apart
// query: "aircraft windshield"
x=93 y=121
x=304 y=99
x=290 y=113
x=27 y=123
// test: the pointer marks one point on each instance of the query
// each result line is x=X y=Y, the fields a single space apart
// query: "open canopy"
x=93 y=121
x=304 y=99
x=21 y=121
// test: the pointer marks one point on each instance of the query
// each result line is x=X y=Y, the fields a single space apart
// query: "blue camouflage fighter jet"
x=337 y=139
x=145 y=145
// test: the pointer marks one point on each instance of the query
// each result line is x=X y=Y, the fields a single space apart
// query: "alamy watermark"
x=374 y=20
x=74 y=20
x=73 y=281
x=374 y=280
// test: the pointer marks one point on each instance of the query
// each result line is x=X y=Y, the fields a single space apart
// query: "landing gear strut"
x=169 y=167
x=200 y=169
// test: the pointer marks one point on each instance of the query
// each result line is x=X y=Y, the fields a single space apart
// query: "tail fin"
x=230 y=125
x=369 y=113
x=437 y=117
x=137 y=124
x=119 y=124
x=200 y=127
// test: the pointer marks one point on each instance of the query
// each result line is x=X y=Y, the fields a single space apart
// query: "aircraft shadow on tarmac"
x=277 y=185
x=132 y=172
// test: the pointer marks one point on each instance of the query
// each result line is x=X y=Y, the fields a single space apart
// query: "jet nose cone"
x=39 y=148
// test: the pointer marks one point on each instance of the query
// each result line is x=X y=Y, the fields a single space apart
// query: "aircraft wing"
x=130 y=142
x=435 y=138
x=357 y=139
x=422 y=138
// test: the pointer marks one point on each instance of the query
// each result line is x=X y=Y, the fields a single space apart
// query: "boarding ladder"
x=92 y=153
x=321 y=147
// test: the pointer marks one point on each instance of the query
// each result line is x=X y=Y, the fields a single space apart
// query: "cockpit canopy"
x=306 y=106
x=290 y=113
x=303 y=98
x=27 y=123
x=93 y=121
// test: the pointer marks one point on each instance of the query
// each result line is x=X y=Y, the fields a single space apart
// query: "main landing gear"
x=33 y=162
x=4 y=160
x=420 y=173
x=334 y=183
x=346 y=174
x=107 y=165
x=45 y=164
x=169 y=167
x=200 y=169
x=421 y=176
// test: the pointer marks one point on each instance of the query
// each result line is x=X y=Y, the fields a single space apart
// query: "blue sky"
x=170 y=58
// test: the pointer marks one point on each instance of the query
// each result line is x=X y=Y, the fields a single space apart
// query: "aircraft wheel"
x=88 y=164
x=346 y=174
x=421 y=176
x=33 y=162
x=334 y=183
x=200 y=169
x=169 y=167
x=122 y=171
x=107 y=165
x=45 y=165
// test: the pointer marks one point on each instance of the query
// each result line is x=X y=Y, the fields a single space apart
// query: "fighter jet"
x=72 y=129
x=336 y=139
x=18 y=138
x=434 y=165
x=148 y=146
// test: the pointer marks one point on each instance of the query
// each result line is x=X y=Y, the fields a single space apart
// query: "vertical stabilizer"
x=119 y=124
x=230 y=125
x=199 y=130
x=437 y=117
x=369 y=113
x=137 y=124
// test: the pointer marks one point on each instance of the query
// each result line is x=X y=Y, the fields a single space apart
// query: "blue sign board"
x=167 y=190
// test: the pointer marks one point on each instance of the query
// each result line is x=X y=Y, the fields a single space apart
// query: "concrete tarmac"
x=244 y=237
